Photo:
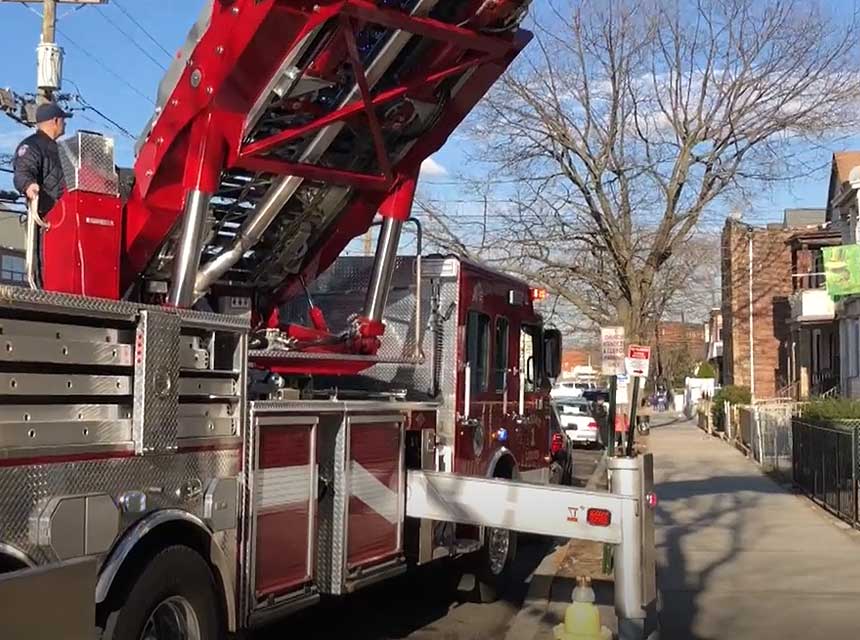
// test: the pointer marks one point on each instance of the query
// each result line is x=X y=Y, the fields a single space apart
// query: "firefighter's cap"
x=49 y=111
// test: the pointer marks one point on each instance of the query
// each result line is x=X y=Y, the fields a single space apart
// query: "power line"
x=87 y=106
x=142 y=28
x=109 y=120
x=95 y=59
x=131 y=39
x=105 y=67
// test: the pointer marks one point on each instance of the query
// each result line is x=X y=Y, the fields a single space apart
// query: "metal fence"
x=763 y=432
x=824 y=464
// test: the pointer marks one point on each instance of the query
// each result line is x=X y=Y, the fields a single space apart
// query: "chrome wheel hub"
x=173 y=619
x=498 y=547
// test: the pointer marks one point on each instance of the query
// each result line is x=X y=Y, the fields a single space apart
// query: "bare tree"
x=628 y=123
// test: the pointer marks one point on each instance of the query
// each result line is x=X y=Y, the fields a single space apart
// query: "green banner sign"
x=842 y=270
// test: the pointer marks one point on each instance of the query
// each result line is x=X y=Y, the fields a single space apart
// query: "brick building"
x=575 y=360
x=689 y=335
x=756 y=309
x=677 y=346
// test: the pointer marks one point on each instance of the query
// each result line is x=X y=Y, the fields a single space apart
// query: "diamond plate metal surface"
x=16 y=299
x=163 y=478
x=429 y=379
x=88 y=163
x=333 y=443
x=156 y=382
x=340 y=293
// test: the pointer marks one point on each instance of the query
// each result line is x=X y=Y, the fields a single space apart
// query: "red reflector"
x=651 y=500
x=599 y=517
x=557 y=443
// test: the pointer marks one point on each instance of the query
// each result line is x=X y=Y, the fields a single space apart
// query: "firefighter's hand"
x=33 y=191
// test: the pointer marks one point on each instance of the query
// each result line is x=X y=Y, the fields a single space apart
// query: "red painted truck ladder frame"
x=200 y=131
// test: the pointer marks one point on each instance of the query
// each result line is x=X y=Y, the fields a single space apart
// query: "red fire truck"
x=208 y=421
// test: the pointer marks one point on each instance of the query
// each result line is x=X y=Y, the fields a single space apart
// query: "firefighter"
x=38 y=172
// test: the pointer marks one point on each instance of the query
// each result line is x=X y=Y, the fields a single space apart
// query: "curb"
x=529 y=620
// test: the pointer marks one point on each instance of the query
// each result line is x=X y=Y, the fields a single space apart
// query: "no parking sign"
x=638 y=360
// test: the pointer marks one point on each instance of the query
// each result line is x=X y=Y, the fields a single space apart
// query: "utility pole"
x=49 y=63
x=50 y=56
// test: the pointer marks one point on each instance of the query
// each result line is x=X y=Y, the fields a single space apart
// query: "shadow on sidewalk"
x=719 y=502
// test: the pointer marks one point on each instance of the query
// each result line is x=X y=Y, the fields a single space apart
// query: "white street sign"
x=612 y=344
x=638 y=359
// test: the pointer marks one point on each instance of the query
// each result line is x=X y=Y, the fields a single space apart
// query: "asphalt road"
x=424 y=604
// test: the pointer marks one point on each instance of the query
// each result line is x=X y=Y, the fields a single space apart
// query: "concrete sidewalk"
x=740 y=556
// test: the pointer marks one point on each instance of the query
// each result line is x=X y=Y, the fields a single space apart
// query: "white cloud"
x=430 y=168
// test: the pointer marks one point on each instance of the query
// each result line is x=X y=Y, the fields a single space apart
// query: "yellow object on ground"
x=582 y=618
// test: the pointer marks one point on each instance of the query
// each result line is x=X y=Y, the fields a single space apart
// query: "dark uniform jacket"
x=37 y=159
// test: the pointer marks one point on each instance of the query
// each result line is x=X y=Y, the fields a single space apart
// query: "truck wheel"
x=495 y=563
x=174 y=598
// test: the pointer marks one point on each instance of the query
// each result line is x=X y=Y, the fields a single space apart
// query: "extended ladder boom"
x=283 y=127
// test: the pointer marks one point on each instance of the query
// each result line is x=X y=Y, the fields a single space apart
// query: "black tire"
x=176 y=574
x=492 y=580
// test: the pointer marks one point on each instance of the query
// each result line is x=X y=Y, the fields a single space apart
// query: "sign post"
x=637 y=364
x=612 y=343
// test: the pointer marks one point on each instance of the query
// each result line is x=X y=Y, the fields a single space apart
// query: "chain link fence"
x=763 y=431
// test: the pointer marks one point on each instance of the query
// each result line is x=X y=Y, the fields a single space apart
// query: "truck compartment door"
x=285 y=493
x=66 y=588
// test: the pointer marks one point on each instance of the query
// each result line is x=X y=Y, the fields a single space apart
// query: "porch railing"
x=824 y=382
x=804 y=281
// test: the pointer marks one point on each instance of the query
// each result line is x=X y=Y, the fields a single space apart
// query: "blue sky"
x=111 y=72
x=114 y=75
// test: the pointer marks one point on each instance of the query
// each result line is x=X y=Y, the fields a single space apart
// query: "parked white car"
x=575 y=419
x=569 y=389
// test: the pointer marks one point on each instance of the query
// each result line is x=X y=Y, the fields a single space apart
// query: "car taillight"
x=592 y=426
x=599 y=517
x=557 y=443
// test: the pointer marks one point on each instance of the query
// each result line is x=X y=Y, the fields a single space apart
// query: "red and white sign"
x=638 y=359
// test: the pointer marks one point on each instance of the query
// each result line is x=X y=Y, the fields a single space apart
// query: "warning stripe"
x=283 y=486
x=375 y=494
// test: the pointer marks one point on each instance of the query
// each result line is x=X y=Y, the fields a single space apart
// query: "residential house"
x=756 y=285
x=12 y=239
x=714 y=341
x=842 y=215
x=13 y=268
x=814 y=347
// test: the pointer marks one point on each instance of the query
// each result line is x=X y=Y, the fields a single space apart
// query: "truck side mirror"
x=552 y=350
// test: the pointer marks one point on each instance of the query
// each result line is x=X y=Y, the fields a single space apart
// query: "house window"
x=478 y=349
x=13 y=269
x=500 y=354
